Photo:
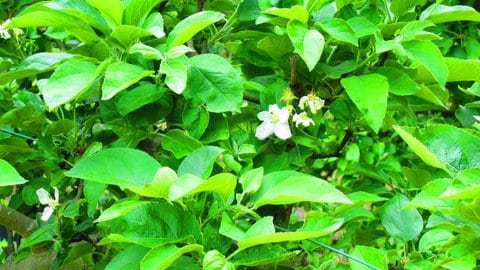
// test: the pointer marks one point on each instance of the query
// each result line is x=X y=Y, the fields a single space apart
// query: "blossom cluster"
x=276 y=119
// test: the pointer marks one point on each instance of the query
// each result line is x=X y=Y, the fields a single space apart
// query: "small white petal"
x=477 y=117
x=282 y=131
x=43 y=196
x=273 y=108
x=264 y=116
x=264 y=130
x=283 y=115
x=47 y=213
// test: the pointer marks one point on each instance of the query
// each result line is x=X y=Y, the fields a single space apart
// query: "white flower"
x=302 y=119
x=45 y=199
x=477 y=118
x=4 y=33
x=311 y=101
x=275 y=121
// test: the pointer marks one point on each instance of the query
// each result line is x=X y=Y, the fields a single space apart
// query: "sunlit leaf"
x=9 y=176
x=119 y=76
x=163 y=256
x=400 y=223
x=308 y=43
x=369 y=93
x=70 y=80
x=116 y=166
x=160 y=185
x=213 y=80
x=276 y=188
x=190 y=26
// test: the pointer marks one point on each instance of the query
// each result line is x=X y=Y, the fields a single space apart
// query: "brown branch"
x=16 y=221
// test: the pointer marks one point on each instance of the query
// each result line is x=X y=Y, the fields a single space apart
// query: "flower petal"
x=282 y=131
x=264 y=116
x=47 y=213
x=264 y=130
x=283 y=115
x=43 y=196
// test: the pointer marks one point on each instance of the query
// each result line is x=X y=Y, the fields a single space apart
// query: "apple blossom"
x=311 y=101
x=45 y=199
x=275 y=121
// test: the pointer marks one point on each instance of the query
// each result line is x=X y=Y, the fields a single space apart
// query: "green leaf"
x=308 y=43
x=175 y=75
x=137 y=10
x=251 y=180
x=163 y=256
x=33 y=65
x=370 y=255
x=43 y=234
x=263 y=226
x=146 y=51
x=195 y=120
x=111 y=9
x=428 y=55
x=214 y=260
x=263 y=255
x=441 y=14
x=81 y=10
x=443 y=146
x=412 y=30
x=399 y=83
x=120 y=76
x=420 y=149
x=435 y=238
x=369 y=93
x=314 y=226
x=276 y=188
x=153 y=224
x=400 y=223
x=138 y=97
x=338 y=29
x=200 y=161
x=400 y=7
x=463 y=69
x=469 y=211
x=179 y=143
x=129 y=258
x=119 y=209
x=37 y=15
x=296 y=12
x=190 y=26
x=9 y=176
x=465 y=186
x=116 y=166
x=189 y=184
x=154 y=24
x=128 y=34
x=160 y=185
x=430 y=196
x=212 y=80
x=362 y=27
x=69 y=81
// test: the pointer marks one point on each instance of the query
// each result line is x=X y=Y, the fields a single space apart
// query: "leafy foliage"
x=240 y=134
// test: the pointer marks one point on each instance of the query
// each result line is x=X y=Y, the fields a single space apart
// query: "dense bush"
x=227 y=134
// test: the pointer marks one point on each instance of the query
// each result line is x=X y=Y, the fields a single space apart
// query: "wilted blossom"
x=4 y=32
x=302 y=119
x=311 y=101
x=45 y=199
x=275 y=121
